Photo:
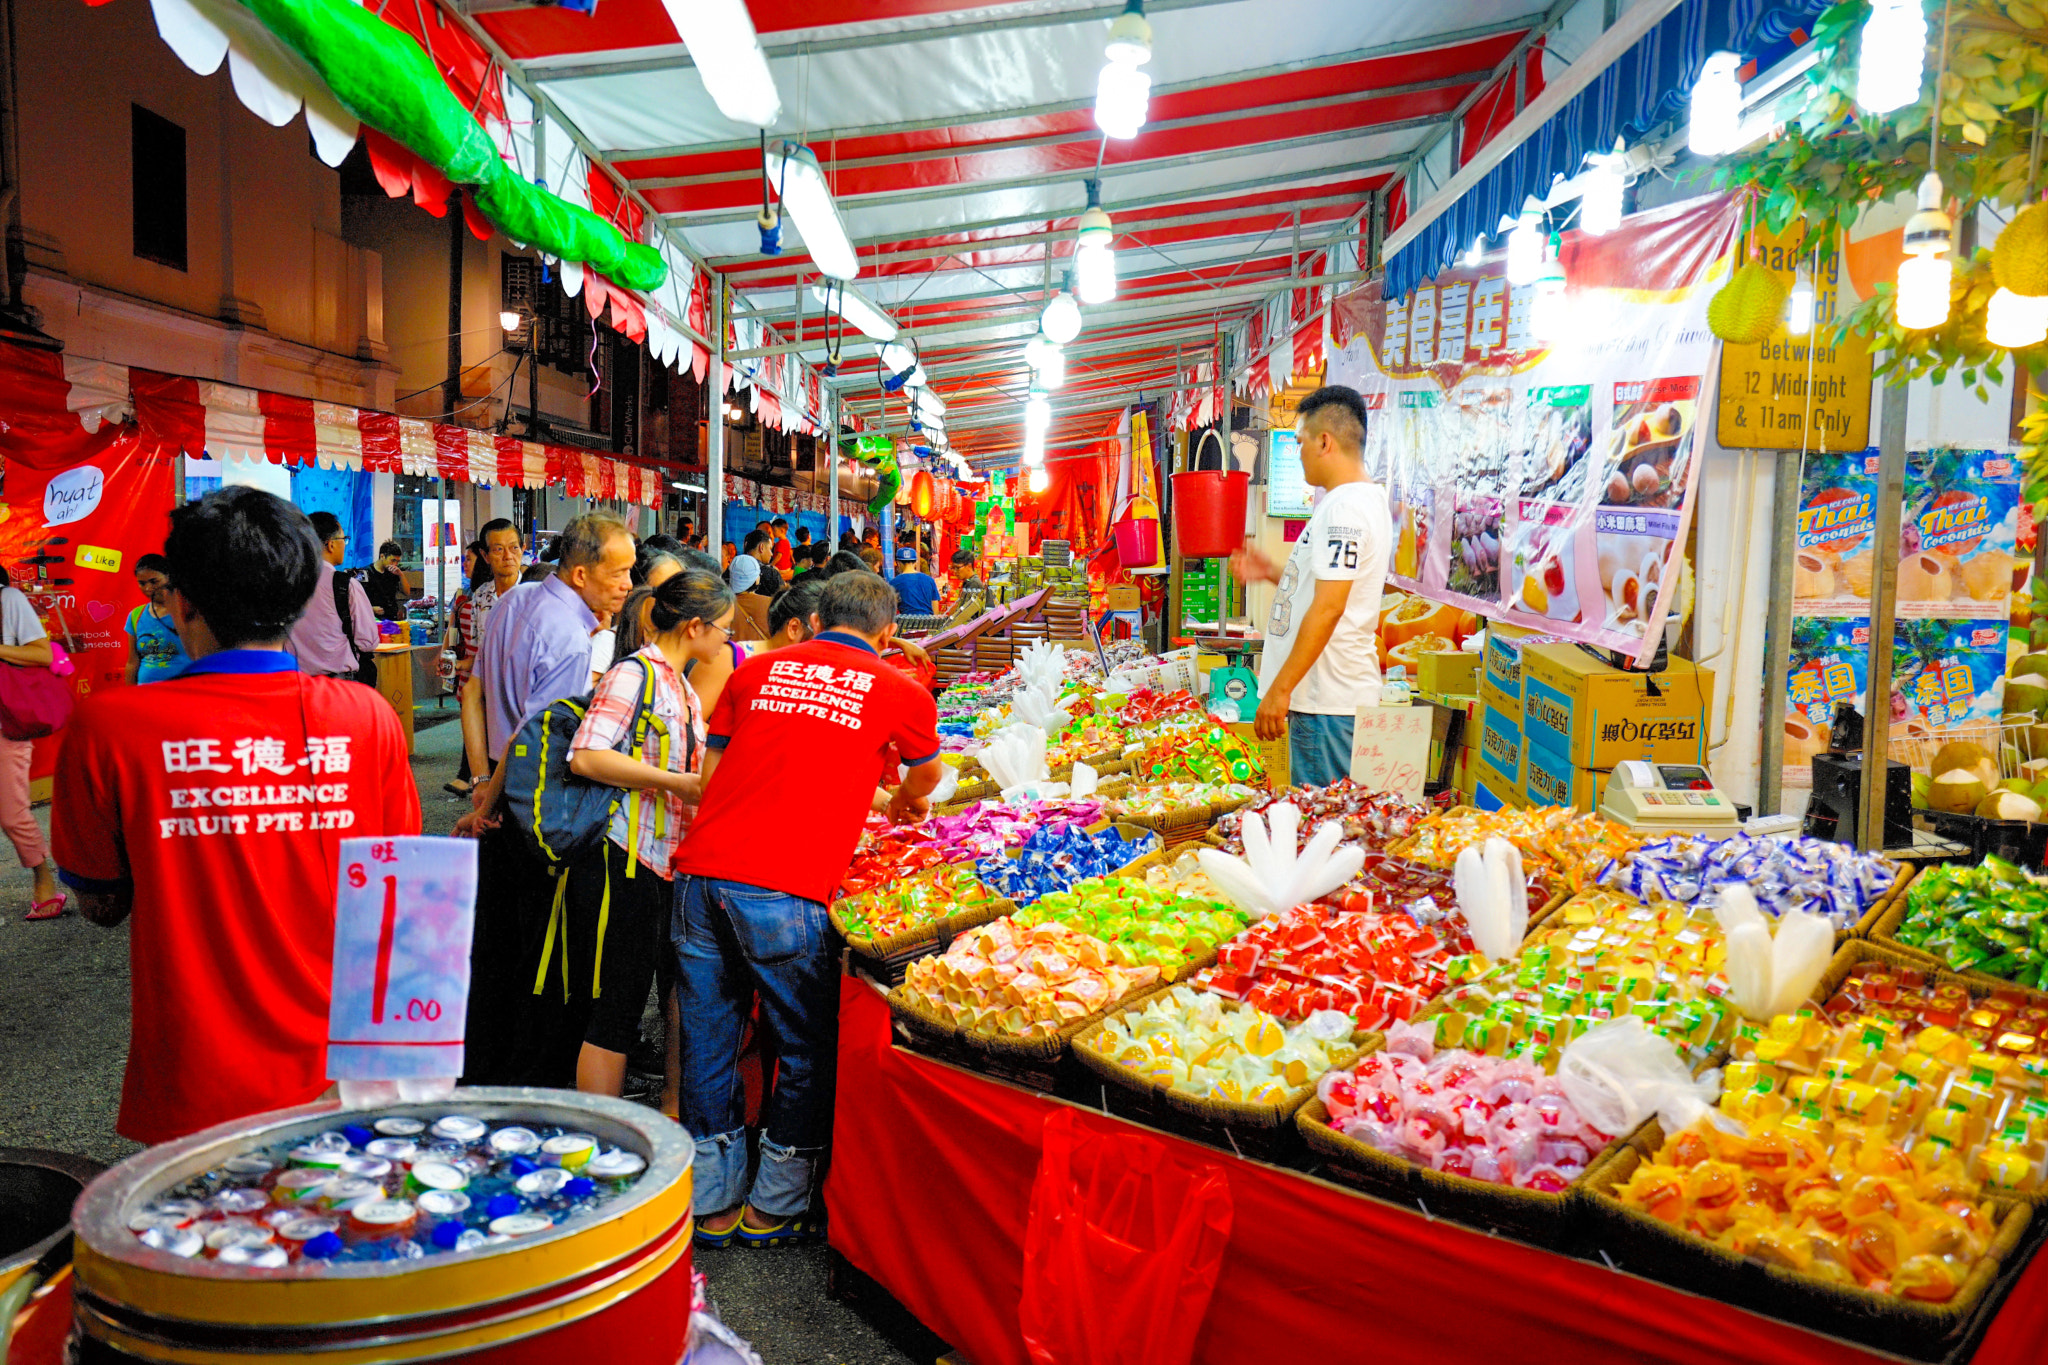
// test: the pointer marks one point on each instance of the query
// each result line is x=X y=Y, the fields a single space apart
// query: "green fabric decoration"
x=880 y=452
x=382 y=77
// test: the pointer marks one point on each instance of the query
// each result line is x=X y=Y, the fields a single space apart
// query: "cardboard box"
x=1548 y=781
x=1490 y=794
x=1123 y=599
x=1452 y=673
x=1592 y=715
x=1491 y=698
x=1503 y=663
x=1500 y=749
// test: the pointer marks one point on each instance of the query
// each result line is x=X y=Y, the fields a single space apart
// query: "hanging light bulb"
x=2017 y=322
x=1472 y=258
x=1893 y=56
x=1095 y=257
x=1925 y=274
x=1525 y=246
x=1548 y=311
x=1716 y=107
x=1047 y=361
x=1604 y=185
x=1038 y=479
x=1799 y=304
x=1037 y=413
x=1061 y=320
x=1122 y=91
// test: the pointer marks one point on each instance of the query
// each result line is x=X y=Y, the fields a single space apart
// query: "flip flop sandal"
x=788 y=1232
x=49 y=909
x=719 y=1240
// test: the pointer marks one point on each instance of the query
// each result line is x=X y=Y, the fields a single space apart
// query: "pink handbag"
x=36 y=701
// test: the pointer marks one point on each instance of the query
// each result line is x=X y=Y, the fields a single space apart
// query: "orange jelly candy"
x=1929 y=1279
x=1872 y=1248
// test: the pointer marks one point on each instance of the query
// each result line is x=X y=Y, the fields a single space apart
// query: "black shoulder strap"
x=345 y=616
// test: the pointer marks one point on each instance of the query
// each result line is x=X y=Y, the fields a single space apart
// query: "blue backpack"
x=565 y=817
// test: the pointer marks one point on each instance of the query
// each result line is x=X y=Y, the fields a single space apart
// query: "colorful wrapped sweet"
x=1501 y=1121
x=1424 y=891
x=1144 y=926
x=1369 y=819
x=1991 y=918
x=1196 y=1044
x=1568 y=849
x=1828 y=879
x=1852 y=1208
x=1376 y=967
x=1055 y=856
x=914 y=903
x=1195 y=747
x=1601 y=955
x=1155 y=799
x=1022 y=981
x=888 y=852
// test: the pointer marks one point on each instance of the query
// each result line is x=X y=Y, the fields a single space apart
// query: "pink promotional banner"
x=1548 y=483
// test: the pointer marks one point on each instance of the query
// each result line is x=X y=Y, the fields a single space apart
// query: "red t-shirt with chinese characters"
x=818 y=719
x=221 y=797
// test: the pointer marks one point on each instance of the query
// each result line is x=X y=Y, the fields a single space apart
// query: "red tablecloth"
x=930 y=1190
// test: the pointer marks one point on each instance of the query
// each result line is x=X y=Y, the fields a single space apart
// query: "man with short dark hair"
x=318 y=641
x=211 y=806
x=535 y=650
x=1321 y=660
x=744 y=573
x=965 y=562
x=750 y=917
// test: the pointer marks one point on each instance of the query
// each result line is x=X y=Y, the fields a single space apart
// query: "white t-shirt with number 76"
x=1347 y=539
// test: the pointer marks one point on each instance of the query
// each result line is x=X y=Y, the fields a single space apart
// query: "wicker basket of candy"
x=885 y=929
x=1987 y=923
x=1850 y=890
x=1005 y=999
x=1214 y=1070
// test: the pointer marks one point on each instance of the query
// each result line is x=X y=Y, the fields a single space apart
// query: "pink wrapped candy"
x=1495 y=1119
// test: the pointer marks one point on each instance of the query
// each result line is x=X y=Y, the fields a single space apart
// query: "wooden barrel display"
x=612 y=1283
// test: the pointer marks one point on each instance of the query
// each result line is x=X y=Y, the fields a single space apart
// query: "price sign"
x=1390 y=749
x=1797 y=392
x=403 y=911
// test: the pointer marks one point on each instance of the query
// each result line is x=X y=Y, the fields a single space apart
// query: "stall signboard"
x=1960 y=565
x=1809 y=392
x=441 y=547
x=1287 y=491
x=1548 y=483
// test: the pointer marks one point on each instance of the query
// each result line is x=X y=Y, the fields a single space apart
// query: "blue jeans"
x=736 y=942
x=1318 y=748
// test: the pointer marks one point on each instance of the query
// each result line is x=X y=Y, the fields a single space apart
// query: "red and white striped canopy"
x=958 y=137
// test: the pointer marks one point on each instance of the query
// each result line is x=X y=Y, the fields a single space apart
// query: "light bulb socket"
x=1130 y=37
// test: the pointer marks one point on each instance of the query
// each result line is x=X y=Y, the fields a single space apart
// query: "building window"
x=158 y=162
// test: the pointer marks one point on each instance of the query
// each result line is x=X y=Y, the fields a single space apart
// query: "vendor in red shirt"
x=211 y=806
x=750 y=898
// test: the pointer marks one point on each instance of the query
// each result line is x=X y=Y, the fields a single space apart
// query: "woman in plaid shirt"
x=619 y=896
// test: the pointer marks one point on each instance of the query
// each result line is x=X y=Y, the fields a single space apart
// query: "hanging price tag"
x=403 y=912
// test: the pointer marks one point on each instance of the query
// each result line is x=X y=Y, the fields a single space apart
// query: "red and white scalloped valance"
x=227 y=422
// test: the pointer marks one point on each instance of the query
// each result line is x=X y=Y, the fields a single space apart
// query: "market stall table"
x=399 y=670
x=1331 y=1273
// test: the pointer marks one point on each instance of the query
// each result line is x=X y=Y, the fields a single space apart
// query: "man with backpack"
x=323 y=646
x=535 y=650
x=750 y=899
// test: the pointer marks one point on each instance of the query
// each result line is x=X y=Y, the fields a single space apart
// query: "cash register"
x=1667 y=798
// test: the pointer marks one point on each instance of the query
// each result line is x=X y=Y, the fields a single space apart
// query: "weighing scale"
x=1677 y=798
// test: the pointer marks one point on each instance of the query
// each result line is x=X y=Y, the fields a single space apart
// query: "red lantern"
x=923 y=494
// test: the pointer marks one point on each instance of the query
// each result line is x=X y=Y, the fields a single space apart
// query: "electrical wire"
x=442 y=383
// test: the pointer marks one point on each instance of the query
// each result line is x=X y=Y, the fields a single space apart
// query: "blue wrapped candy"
x=1831 y=880
x=1057 y=855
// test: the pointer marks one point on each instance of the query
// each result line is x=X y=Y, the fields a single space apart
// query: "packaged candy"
x=1991 y=918
x=1143 y=925
x=915 y=903
x=1196 y=1044
x=1376 y=967
x=1828 y=879
x=1491 y=1119
x=1369 y=819
x=1027 y=981
x=1054 y=857
x=1567 y=849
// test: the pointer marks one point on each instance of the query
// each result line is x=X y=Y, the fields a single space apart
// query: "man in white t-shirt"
x=1321 y=661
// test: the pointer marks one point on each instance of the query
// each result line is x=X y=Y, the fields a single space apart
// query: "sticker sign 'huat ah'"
x=403 y=912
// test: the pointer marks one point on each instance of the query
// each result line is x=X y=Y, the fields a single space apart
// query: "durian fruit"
x=2019 y=260
x=1747 y=309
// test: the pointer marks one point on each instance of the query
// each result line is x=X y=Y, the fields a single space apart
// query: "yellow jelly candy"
x=2005 y=1168
x=1264 y=1036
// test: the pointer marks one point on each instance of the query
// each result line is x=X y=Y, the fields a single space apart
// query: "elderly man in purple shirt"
x=535 y=650
x=317 y=641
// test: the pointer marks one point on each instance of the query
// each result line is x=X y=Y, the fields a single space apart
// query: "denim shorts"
x=1318 y=748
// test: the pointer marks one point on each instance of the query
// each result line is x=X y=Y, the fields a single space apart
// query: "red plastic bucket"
x=1137 y=542
x=1208 y=511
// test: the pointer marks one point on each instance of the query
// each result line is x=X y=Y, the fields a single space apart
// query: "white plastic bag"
x=1618 y=1073
x=1772 y=968
x=1272 y=876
